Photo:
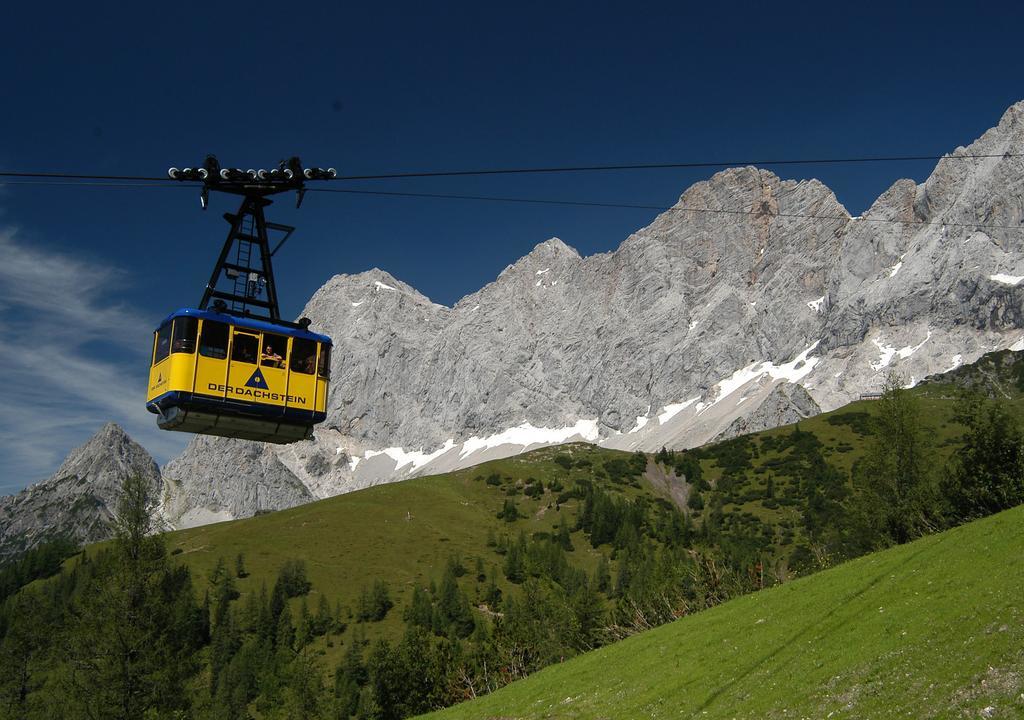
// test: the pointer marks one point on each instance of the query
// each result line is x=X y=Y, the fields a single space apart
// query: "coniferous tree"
x=125 y=655
x=323 y=621
x=349 y=678
x=515 y=561
x=23 y=656
x=453 y=607
x=603 y=575
x=240 y=571
x=564 y=538
x=224 y=643
x=304 y=629
x=421 y=610
x=284 y=636
x=492 y=595
x=278 y=601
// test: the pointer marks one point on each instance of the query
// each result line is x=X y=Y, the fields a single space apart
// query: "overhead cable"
x=568 y=168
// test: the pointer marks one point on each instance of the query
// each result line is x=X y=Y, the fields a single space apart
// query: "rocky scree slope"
x=691 y=325
x=79 y=500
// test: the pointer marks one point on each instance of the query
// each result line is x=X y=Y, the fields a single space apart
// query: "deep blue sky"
x=368 y=88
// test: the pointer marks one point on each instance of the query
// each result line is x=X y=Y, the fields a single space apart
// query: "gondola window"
x=324 y=366
x=244 y=348
x=163 y=343
x=303 y=356
x=275 y=347
x=214 y=340
x=185 y=330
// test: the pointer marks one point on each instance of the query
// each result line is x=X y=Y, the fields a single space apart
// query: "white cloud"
x=73 y=357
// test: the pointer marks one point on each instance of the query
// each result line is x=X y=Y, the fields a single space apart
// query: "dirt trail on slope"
x=667 y=481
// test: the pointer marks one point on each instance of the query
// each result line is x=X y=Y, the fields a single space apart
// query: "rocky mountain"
x=753 y=301
x=786 y=404
x=79 y=499
x=259 y=481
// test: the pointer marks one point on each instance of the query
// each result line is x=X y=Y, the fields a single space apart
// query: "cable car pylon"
x=252 y=272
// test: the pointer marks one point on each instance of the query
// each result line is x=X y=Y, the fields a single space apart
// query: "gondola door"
x=274 y=368
x=245 y=382
x=212 y=361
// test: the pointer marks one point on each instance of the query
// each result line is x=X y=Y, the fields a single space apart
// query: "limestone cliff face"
x=80 y=499
x=227 y=479
x=787 y=403
x=693 y=323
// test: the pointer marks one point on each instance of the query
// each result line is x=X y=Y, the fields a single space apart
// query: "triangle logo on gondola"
x=258 y=381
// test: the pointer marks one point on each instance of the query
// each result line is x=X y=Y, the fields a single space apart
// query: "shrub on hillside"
x=292 y=577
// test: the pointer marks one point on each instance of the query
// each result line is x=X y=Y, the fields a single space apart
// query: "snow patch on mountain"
x=670 y=411
x=405 y=460
x=527 y=436
x=1007 y=279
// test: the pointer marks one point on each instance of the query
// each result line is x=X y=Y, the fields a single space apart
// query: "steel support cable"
x=546 y=201
x=674 y=166
x=659 y=208
x=566 y=169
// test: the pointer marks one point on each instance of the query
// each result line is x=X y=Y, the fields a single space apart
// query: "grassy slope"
x=932 y=629
x=402 y=533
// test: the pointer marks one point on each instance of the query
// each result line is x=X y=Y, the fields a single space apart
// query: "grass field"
x=401 y=533
x=932 y=629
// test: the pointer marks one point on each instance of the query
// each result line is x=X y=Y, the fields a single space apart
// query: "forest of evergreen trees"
x=125 y=633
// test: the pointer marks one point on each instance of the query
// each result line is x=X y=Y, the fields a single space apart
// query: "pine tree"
x=453 y=607
x=240 y=571
x=349 y=677
x=278 y=600
x=603 y=576
x=492 y=595
x=224 y=643
x=421 y=610
x=125 y=654
x=23 y=652
x=564 y=538
x=515 y=562
x=323 y=621
x=304 y=630
x=284 y=636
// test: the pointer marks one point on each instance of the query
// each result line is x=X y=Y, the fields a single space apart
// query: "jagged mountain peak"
x=553 y=252
x=553 y=247
x=79 y=499
x=346 y=302
x=110 y=449
x=109 y=432
x=358 y=285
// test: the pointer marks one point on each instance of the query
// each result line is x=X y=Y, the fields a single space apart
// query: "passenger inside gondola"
x=303 y=356
x=270 y=357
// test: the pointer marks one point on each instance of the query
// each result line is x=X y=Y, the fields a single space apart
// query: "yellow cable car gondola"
x=229 y=371
x=216 y=374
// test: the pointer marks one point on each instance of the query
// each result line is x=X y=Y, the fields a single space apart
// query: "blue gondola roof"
x=247 y=322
